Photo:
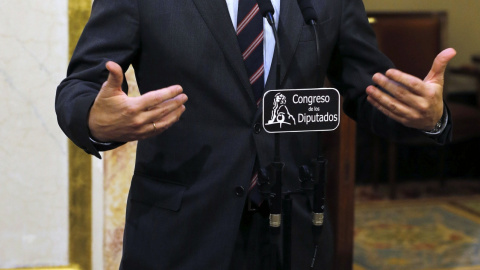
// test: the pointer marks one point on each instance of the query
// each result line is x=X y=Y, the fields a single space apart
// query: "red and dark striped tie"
x=250 y=38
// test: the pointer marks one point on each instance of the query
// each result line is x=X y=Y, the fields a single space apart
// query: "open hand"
x=412 y=102
x=117 y=117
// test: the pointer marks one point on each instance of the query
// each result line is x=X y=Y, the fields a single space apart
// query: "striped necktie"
x=250 y=38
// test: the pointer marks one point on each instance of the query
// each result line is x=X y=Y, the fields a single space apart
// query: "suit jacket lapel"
x=216 y=16
x=289 y=30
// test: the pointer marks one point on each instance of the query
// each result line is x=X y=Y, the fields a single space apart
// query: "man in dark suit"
x=187 y=202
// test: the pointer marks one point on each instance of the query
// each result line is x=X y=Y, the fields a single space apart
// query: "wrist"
x=440 y=125
x=94 y=136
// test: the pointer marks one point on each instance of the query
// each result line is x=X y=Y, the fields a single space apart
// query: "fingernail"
x=369 y=89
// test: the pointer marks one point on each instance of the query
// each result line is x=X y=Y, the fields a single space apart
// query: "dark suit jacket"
x=183 y=210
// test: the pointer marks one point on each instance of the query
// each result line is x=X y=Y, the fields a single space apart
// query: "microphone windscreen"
x=265 y=7
x=308 y=11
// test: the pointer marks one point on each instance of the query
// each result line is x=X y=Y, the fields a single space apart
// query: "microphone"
x=319 y=165
x=267 y=11
x=310 y=17
x=308 y=11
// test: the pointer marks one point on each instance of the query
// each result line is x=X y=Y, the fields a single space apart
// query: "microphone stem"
x=271 y=21
x=313 y=23
x=317 y=43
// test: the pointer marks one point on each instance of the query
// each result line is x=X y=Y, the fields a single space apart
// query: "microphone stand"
x=319 y=164
x=319 y=178
x=319 y=173
x=277 y=165
x=319 y=169
x=278 y=199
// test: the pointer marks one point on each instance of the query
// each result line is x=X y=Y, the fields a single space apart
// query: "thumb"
x=437 y=72
x=115 y=77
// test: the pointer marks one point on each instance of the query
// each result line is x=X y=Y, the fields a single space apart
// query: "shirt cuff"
x=100 y=143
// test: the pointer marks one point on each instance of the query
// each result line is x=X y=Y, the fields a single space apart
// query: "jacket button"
x=239 y=191
x=257 y=128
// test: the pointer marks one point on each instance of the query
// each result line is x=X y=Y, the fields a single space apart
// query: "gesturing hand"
x=115 y=116
x=413 y=102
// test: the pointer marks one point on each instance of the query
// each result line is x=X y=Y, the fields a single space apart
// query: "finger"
x=139 y=122
x=388 y=112
x=170 y=119
x=386 y=102
x=115 y=76
x=397 y=89
x=156 y=97
x=436 y=74
x=158 y=126
x=413 y=84
x=164 y=109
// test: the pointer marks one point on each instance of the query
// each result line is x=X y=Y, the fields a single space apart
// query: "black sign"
x=301 y=110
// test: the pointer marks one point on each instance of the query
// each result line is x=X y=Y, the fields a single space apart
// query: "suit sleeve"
x=355 y=59
x=111 y=34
